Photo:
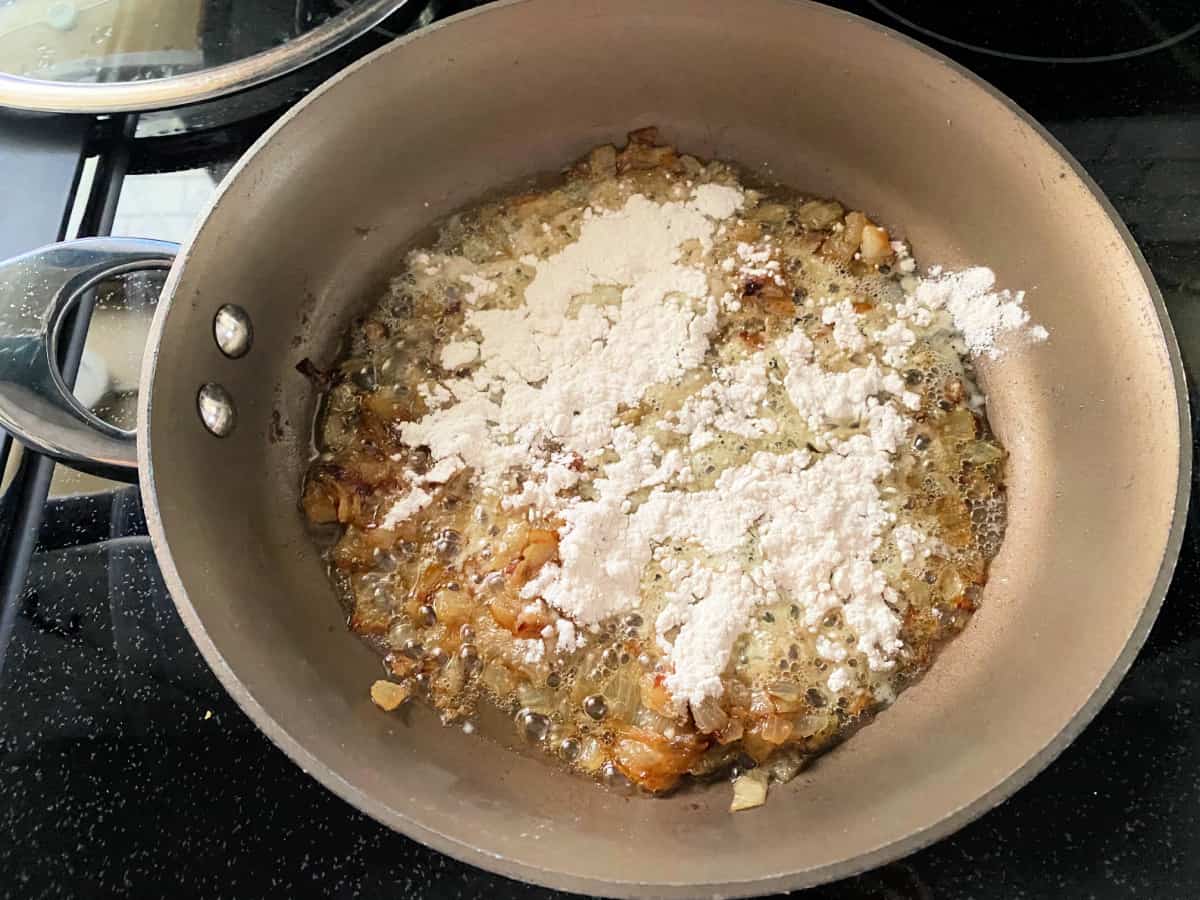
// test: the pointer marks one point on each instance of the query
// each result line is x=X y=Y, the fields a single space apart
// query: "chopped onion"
x=749 y=790
x=497 y=679
x=388 y=695
x=785 y=696
x=950 y=583
x=733 y=731
x=538 y=698
x=656 y=697
x=651 y=721
x=713 y=759
x=819 y=214
x=784 y=766
x=623 y=693
x=876 y=244
x=775 y=729
x=772 y=212
x=807 y=726
x=453 y=676
x=760 y=703
x=708 y=715
x=959 y=425
x=591 y=755
x=452 y=607
x=983 y=453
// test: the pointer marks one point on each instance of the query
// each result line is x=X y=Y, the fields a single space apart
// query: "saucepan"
x=302 y=237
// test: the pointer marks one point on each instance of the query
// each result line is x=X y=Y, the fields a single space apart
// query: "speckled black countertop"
x=125 y=770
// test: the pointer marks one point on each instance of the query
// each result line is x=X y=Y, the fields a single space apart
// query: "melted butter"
x=439 y=600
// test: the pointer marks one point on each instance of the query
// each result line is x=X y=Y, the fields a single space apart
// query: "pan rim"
x=770 y=882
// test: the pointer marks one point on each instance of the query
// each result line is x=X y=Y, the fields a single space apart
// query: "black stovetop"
x=125 y=770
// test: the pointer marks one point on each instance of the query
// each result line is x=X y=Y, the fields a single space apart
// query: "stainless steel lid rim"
x=34 y=95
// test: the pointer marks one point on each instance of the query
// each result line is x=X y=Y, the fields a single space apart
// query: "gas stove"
x=127 y=771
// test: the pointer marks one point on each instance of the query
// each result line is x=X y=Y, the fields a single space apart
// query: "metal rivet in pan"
x=232 y=329
x=217 y=412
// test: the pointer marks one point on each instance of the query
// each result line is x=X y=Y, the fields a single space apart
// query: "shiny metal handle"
x=37 y=406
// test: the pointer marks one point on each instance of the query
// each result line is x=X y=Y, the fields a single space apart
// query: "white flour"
x=731 y=402
x=817 y=520
x=548 y=378
x=981 y=314
x=406 y=507
x=895 y=340
x=417 y=499
x=846 y=332
x=835 y=398
x=457 y=354
x=840 y=678
x=658 y=331
x=479 y=288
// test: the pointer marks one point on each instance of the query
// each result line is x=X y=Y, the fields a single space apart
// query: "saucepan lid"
x=104 y=56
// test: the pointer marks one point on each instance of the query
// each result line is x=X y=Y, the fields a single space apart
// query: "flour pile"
x=534 y=398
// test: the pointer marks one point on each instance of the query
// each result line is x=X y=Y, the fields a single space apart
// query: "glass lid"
x=1059 y=31
x=102 y=56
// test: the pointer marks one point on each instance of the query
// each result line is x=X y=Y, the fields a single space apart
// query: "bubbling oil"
x=440 y=598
